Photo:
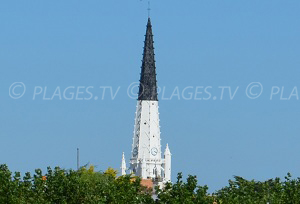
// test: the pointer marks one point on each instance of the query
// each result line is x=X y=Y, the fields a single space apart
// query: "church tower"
x=146 y=155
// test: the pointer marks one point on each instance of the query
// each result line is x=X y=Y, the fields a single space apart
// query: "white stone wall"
x=146 y=140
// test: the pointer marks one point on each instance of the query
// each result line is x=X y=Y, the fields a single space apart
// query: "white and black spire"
x=148 y=87
x=146 y=156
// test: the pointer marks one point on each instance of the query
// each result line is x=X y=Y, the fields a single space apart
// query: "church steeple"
x=148 y=87
x=146 y=155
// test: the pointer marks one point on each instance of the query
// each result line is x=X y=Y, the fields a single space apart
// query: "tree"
x=274 y=191
x=182 y=192
x=89 y=186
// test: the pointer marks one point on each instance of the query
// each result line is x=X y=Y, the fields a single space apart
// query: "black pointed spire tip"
x=148 y=87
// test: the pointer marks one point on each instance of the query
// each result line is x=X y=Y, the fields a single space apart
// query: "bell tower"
x=146 y=155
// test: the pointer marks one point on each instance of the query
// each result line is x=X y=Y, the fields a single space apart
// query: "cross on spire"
x=149 y=9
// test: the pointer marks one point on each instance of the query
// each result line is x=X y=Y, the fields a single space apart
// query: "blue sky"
x=197 y=43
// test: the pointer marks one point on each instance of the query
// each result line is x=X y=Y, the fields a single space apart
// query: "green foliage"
x=62 y=186
x=182 y=192
x=112 y=172
x=273 y=191
x=67 y=187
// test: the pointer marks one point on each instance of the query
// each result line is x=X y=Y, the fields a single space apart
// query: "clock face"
x=135 y=151
x=154 y=151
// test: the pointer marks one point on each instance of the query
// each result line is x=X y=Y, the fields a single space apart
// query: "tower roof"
x=167 y=151
x=148 y=87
